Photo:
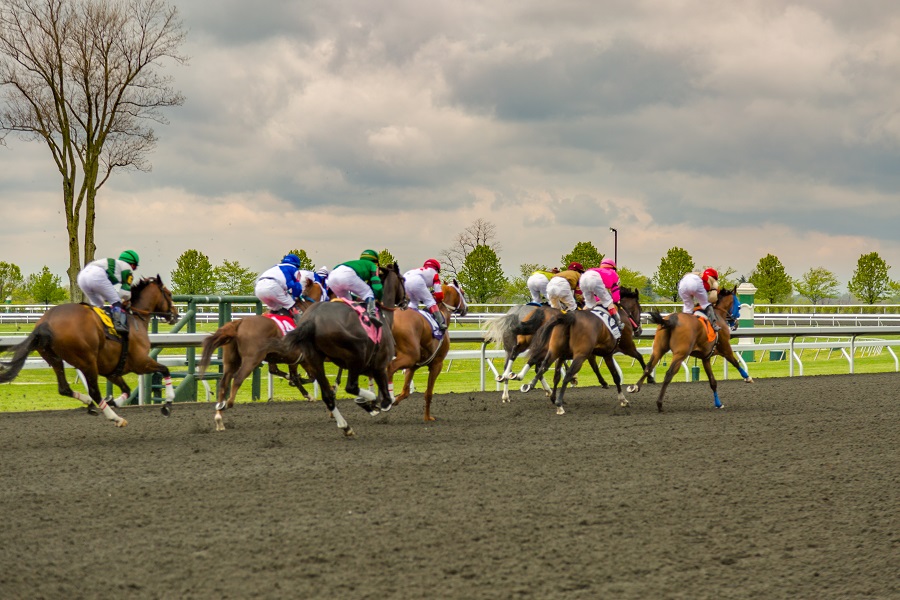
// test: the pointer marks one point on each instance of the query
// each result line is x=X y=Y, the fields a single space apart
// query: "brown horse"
x=514 y=332
x=245 y=345
x=686 y=335
x=333 y=331
x=580 y=335
x=74 y=334
x=417 y=347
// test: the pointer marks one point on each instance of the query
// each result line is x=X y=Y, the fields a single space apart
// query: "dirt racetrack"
x=791 y=491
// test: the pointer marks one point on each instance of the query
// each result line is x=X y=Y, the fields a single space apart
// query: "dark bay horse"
x=73 y=333
x=686 y=335
x=580 y=335
x=245 y=345
x=416 y=347
x=333 y=331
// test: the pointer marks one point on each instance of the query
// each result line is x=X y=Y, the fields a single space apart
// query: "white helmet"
x=323 y=271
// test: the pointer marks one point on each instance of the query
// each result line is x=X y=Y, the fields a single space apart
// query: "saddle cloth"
x=104 y=314
x=284 y=322
x=704 y=320
x=373 y=332
x=436 y=332
x=602 y=314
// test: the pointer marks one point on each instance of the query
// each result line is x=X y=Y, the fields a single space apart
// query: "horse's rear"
x=415 y=346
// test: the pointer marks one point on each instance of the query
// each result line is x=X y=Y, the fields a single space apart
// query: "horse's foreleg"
x=617 y=379
x=296 y=380
x=655 y=357
x=571 y=374
x=728 y=354
x=713 y=384
x=593 y=362
x=434 y=369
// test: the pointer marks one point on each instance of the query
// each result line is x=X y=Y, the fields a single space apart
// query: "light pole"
x=615 y=244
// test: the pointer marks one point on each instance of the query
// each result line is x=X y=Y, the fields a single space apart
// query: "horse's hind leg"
x=617 y=379
x=596 y=368
x=94 y=397
x=674 y=367
x=119 y=382
x=713 y=384
x=571 y=374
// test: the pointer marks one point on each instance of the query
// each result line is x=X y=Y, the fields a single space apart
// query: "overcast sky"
x=730 y=129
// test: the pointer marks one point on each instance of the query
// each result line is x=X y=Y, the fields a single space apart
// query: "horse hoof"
x=560 y=410
x=633 y=388
x=389 y=406
x=92 y=410
x=624 y=404
x=749 y=380
x=349 y=432
x=166 y=409
x=121 y=423
x=526 y=387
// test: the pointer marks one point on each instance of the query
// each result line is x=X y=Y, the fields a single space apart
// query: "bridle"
x=170 y=314
x=462 y=299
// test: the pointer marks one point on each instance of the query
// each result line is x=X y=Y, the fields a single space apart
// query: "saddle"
x=105 y=316
x=373 y=332
x=285 y=323
x=607 y=319
x=436 y=332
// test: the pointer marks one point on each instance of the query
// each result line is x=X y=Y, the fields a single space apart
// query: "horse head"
x=393 y=291
x=730 y=305
x=150 y=298
x=455 y=298
x=631 y=306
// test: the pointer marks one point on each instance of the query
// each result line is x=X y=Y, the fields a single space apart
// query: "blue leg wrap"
x=744 y=373
x=718 y=402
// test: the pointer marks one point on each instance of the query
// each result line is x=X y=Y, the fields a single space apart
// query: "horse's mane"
x=141 y=285
x=629 y=293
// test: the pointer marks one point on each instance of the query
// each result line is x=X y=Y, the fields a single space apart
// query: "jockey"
x=702 y=289
x=537 y=283
x=360 y=278
x=279 y=287
x=320 y=277
x=563 y=287
x=98 y=280
x=602 y=284
x=423 y=285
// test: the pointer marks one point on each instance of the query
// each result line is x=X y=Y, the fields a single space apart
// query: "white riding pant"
x=97 y=287
x=344 y=281
x=691 y=290
x=418 y=292
x=594 y=290
x=537 y=286
x=273 y=294
x=560 y=294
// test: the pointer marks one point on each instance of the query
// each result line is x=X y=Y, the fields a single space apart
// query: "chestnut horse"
x=417 y=347
x=245 y=345
x=580 y=335
x=333 y=331
x=686 y=335
x=73 y=333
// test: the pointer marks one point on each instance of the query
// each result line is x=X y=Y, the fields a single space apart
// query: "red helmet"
x=710 y=273
x=576 y=266
x=432 y=264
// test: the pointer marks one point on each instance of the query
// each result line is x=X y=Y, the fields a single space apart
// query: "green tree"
x=517 y=288
x=817 y=284
x=725 y=280
x=193 y=274
x=306 y=262
x=82 y=77
x=672 y=268
x=870 y=282
x=10 y=280
x=234 y=280
x=479 y=233
x=386 y=258
x=771 y=281
x=45 y=287
x=585 y=253
x=481 y=275
x=631 y=279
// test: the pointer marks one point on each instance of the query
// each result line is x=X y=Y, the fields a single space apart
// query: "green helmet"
x=369 y=255
x=131 y=257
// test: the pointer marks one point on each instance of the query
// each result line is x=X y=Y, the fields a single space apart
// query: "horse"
x=580 y=335
x=73 y=333
x=417 y=347
x=245 y=345
x=333 y=331
x=514 y=332
x=686 y=335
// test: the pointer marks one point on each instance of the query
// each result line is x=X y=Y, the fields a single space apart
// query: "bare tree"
x=82 y=76
x=479 y=233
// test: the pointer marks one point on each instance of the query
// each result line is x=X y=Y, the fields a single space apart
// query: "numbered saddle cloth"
x=603 y=314
x=284 y=322
x=436 y=332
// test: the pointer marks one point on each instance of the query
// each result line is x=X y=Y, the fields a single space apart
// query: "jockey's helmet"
x=608 y=263
x=323 y=271
x=291 y=259
x=710 y=273
x=369 y=255
x=131 y=257
x=432 y=264
x=576 y=266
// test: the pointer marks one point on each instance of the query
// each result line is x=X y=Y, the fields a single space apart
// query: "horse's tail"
x=669 y=323
x=537 y=349
x=39 y=339
x=500 y=329
x=532 y=325
x=298 y=339
x=224 y=335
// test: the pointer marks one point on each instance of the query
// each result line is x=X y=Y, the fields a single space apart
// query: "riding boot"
x=119 y=319
x=615 y=315
x=439 y=319
x=713 y=319
x=372 y=313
